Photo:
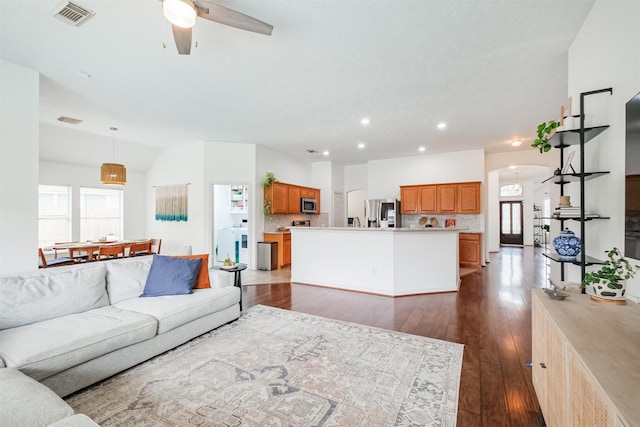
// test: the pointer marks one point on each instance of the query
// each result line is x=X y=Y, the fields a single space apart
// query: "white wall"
x=19 y=116
x=227 y=163
x=386 y=176
x=355 y=177
x=179 y=165
x=492 y=236
x=83 y=176
x=329 y=177
x=606 y=53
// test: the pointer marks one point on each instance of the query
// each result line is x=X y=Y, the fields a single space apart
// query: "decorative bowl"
x=556 y=294
x=228 y=267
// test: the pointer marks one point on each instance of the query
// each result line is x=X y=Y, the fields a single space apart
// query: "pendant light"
x=113 y=173
x=517 y=185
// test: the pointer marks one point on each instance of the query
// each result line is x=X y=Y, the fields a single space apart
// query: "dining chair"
x=142 y=248
x=56 y=262
x=110 y=252
x=154 y=243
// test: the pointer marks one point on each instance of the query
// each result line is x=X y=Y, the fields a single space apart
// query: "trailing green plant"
x=269 y=179
x=266 y=209
x=545 y=130
x=615 y=269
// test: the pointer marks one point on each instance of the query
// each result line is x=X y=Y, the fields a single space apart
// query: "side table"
x=237 y=279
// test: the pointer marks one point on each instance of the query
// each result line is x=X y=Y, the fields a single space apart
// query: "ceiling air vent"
x=73 y=14
x=69 y=120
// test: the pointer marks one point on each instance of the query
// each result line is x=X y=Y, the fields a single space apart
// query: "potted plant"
x=609 y=281
x=545 y=131
x=269 y=179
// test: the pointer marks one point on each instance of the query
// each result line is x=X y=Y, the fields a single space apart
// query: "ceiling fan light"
x=180 y=12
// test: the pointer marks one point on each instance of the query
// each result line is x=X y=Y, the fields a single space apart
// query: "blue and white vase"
x=567 y=245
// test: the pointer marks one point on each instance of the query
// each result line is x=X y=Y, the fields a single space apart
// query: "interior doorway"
x=230 y=227
x=511 y=223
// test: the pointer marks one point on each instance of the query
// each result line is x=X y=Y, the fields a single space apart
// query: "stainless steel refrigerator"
x=382 y=213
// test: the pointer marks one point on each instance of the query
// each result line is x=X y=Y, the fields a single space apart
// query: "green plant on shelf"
x=545 y=132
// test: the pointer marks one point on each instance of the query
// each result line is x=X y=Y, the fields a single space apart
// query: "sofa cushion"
x=48 y=347
x=171 y=276
x=50 y=293
x=176 y=310
x=126 y=277
x=202 y=281
x=26 y=402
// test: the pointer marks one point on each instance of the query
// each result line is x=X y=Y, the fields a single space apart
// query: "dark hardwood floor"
x=490 y=315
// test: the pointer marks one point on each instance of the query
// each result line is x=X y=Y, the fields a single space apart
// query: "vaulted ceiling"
x=491 y=70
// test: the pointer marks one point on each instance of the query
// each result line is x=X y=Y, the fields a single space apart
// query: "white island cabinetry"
x=390 y=262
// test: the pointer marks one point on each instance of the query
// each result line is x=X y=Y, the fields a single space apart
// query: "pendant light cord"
x=113 y=142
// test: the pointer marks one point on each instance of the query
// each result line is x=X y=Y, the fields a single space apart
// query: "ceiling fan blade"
x=226 y=16
x=182 y=36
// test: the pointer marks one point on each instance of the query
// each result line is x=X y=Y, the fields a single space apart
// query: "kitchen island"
x=391 y=262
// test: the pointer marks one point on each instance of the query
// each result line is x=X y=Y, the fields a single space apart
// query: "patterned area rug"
x=275 y=367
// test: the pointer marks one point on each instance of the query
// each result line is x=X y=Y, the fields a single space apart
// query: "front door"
x=511 y=223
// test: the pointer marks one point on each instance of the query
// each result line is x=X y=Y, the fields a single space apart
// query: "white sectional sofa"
x=27 y=403
x=69 y=327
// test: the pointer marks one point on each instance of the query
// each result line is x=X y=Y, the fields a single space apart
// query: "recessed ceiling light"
x=421 y=149
x=442 y=125
x=325 y=152
x=512 y=167
x=516 y=143
x=361 y=145
x=365 y=121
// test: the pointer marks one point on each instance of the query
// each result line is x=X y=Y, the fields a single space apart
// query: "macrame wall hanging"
x=172 y=202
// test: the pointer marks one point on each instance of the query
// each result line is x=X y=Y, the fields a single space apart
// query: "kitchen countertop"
x=396 y=230
x=277 y=232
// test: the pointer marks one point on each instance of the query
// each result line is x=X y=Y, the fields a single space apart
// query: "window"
x=511 y=190
x=101 y=213
x=54 y=215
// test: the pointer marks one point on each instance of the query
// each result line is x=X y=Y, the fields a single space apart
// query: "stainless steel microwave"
x=308 y=205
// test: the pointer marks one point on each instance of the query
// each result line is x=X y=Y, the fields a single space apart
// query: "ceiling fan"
x=182 y=15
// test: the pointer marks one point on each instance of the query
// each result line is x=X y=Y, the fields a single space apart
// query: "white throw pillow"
x=126 y=278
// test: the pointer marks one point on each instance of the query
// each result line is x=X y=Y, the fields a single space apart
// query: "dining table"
x=91 y=247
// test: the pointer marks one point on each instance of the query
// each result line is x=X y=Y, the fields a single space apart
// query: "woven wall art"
x=172 y=202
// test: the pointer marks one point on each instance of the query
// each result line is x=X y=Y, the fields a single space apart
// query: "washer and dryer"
x=233 y=243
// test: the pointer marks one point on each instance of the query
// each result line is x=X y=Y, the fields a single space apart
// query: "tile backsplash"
x=466 y=221
x=276 y=221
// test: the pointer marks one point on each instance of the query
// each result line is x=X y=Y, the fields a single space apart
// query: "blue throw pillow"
x=171 y=276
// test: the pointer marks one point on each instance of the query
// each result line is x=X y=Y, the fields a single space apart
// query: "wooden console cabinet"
x=586 y=361
x=454 y=198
